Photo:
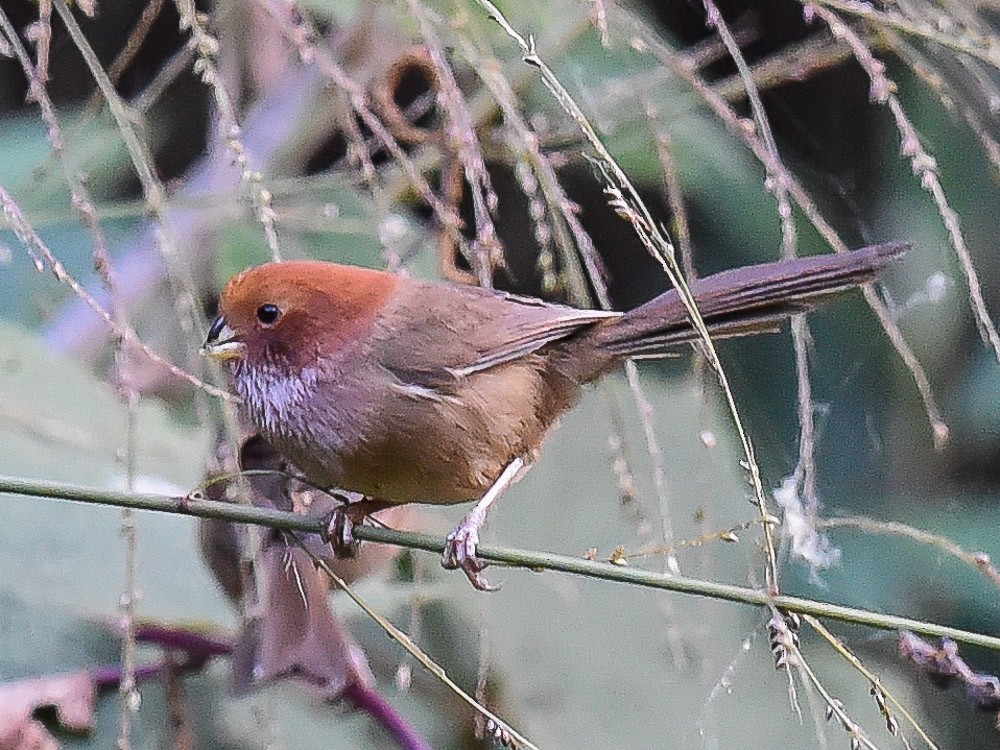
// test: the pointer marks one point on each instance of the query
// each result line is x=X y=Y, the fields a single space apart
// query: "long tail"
x=735 y=303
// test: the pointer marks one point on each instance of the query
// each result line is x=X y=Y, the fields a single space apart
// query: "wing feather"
x=452 y=332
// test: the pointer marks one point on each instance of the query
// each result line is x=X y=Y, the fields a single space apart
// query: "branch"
x=194 y=505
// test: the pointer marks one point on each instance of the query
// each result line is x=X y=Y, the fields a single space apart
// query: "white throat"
x=275 y=398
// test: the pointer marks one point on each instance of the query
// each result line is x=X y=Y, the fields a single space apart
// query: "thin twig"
x=803 y=200
x=461 y=135
x=229 y=128
x=498 y=725
x=195 y=506
x=84 y=205
x=626 y=200
x=957 y=38
x=189 y=313
x=801 y=337
x=978 y=560
x=934 y=72
x=859 y=739
x=41 y=255
x=875 y=682
x=923 y=166
x=300 y=34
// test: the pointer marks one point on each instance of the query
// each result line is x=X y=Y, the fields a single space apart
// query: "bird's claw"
x=460 y=553
x=340 y=533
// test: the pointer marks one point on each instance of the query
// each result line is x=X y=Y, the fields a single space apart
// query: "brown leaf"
x=298 y=635
x=71 y=695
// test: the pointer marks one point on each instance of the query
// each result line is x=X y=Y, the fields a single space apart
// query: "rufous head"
x=294 y=312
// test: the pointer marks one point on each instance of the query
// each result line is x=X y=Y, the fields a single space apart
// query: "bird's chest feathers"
x=276 y=398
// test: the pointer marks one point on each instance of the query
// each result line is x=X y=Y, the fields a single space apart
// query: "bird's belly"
x=442 y=457
x=440 y=448
x=401 y=476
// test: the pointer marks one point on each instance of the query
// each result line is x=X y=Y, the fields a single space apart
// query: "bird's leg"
x=343 y=519
x=460 y=547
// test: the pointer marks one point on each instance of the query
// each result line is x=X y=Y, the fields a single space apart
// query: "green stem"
x=195 y=506
x=192 y=505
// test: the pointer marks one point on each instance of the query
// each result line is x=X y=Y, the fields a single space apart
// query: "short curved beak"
x=222 y=342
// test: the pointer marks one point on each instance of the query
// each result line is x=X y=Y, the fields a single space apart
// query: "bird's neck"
x=276 y=397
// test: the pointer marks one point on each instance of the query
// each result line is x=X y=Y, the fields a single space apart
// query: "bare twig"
x=804 y=202
x=194 y=505
x=978 y=560
x=626 y=201
x=229 y=128
x=923 y=165
x=43 y=256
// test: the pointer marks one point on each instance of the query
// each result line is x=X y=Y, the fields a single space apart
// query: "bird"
x=416 y=391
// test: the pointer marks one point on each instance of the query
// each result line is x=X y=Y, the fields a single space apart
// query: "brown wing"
x=443 y=333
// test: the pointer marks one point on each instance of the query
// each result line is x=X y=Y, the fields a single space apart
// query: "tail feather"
x=741 y=301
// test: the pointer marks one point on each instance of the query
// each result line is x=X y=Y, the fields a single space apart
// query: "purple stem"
x=190 y=641
x=110 y=677
x=199 y=649
x=372 y=703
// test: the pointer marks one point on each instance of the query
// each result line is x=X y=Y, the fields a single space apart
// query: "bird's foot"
x=340 y=528
x=460 y=552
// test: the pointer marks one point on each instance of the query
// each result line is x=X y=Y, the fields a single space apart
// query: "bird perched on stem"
x=418 y=391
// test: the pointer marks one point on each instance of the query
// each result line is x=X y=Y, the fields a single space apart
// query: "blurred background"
x=155 y=153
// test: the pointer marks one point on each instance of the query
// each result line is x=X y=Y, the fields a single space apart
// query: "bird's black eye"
x=268 y=314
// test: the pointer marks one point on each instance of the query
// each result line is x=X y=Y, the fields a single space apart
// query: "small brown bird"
x=417 y=391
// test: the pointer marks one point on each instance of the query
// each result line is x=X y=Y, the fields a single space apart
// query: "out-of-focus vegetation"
x=570 y=662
